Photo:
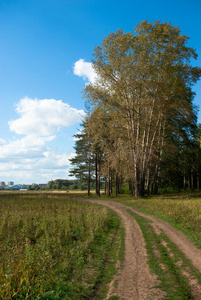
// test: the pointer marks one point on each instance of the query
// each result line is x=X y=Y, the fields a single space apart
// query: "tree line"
x=57 y=184
x=141 y=124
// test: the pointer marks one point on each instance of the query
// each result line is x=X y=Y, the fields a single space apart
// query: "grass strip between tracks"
x=165 y=260
x=182 y=213
x=114 y=252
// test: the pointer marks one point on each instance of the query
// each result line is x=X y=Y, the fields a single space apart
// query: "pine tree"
x=83 y=160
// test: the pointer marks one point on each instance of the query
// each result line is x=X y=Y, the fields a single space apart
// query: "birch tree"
x=146 y=79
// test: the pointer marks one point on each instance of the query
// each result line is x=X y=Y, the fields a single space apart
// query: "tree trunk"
x=148 y=187
x=89 y=178
x=105 y=185
x=99 y=172
x=97 y=175
x=96 y=171
x=184 y=181
x=192 y=185
x=108 y=181
x=198 y=181
x=154 y=184
x=152 y=188
x=148 y=181
x=111 y=182
x=116 y=184
x=140 y=184
x=156 y=187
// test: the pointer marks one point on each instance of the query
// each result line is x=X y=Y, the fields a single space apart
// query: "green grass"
x=167 y=262
x=181 y=210
x=53 y=247
x=122 y=247
x=183 y=213
x=115 y=253
x=163 y=261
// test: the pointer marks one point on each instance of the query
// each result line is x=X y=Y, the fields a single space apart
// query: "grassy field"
x=182 y=211
x=53 y=247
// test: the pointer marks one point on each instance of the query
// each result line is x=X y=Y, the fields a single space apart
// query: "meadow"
x=53 y=247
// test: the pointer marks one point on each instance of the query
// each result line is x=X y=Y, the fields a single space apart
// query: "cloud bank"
x=29 y=156
x=43 y=117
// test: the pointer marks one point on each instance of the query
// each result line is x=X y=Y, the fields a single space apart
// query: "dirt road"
x=135 y=280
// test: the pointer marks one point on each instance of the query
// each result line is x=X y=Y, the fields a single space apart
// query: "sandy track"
x=177 y=237
x=135 y=280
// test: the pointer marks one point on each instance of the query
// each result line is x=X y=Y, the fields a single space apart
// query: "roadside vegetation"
x=181 y=211
x=53 y=247
x=177 y=277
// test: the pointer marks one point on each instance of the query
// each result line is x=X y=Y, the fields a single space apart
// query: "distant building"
x=15 y=187
x=10 y=183
x=42 y=185
x=2 y=183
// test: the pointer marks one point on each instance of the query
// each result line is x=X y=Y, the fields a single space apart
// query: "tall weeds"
x=45 y=244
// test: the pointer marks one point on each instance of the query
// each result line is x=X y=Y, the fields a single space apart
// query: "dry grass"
x=47 y=240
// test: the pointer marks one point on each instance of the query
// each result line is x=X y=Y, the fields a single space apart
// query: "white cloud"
x=25 y=147
x=39 y=165
x=2 y=142
x=85 y=70
x=29 y=158
x=51 y=160
x=43 y=117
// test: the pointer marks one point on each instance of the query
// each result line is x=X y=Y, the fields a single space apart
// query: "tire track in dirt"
x=177 y=237
x=134 y=280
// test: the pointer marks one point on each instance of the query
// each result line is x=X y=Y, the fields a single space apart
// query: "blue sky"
x=45 y=50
